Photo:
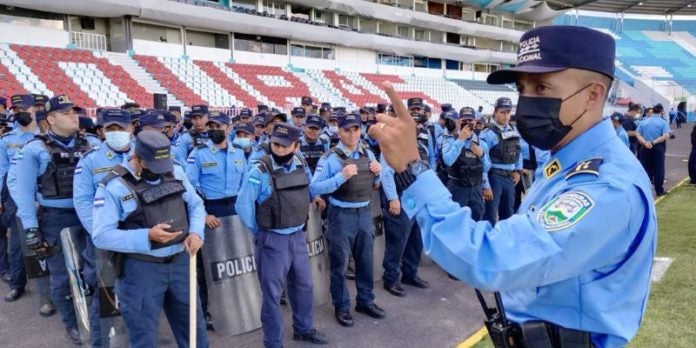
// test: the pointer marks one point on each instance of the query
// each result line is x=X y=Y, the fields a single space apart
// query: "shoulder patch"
x=565 y=210
x=127 y=197
x=551 y=169
x=590 y=166
x=98 y=202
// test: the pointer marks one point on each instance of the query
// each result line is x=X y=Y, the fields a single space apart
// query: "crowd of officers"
x=147 y=183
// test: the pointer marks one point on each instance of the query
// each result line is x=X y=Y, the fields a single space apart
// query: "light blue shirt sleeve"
x=107 y=213
x=194 y=203
x=327 y=176
x=452 y=148
x=665 y=127
x=486 y=159
x=83 y=192
x=4 y=162
x=254 y=184
x=30 y=163
x=518 y=253
x=192 y=170
x=388 y=183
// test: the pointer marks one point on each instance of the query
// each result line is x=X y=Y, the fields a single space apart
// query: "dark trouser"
x=350 y=232
x=467 y=196
x=4 y=250
x=53 y=221
x=692 y=165
x=653 y=161
x=280 y=257
x=633 y=145
x=403 y=247
x=502 y=205
x=145 y=288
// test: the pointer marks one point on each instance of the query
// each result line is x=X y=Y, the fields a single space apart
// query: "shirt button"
x=410 y=203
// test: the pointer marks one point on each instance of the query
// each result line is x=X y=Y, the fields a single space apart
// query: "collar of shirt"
x=343 y=148
x=583 y=146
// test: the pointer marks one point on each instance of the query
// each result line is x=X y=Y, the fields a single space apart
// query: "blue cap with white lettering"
x=555 y=48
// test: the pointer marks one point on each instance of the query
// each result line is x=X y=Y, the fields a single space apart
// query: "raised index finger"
x=399 y=107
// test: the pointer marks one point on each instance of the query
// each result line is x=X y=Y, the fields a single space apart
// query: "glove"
x=34 y=239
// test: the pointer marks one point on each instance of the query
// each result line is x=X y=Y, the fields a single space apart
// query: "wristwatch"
x=404 y=179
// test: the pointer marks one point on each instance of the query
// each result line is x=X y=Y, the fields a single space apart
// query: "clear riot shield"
x=379 y=242
x=113 y=328
x=72 y=240
x=318 y=256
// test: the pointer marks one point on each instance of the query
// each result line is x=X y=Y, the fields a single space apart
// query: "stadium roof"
x=654 y=7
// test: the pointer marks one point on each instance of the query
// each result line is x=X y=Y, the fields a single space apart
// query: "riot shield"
x=234 y=291
x=379 y=242
x=72 y=240
x=34 y=267
x=113 y=328
x=318 y=256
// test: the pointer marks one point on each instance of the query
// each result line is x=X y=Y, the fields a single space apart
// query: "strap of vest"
x=89 y=151
x=266 y=165
x=167 y=187
x=116 y=171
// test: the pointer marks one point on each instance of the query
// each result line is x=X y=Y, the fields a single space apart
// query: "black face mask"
x=23 y=118
x=217 y=136
x=188 y=124
x=450 y=125
x=539 y=123
x=282 y=160
x=149 y=175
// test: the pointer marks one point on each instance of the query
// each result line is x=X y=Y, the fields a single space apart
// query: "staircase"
x=139 y=74
x=322 y=89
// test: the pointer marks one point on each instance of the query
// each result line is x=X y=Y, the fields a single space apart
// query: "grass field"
x=671 y=314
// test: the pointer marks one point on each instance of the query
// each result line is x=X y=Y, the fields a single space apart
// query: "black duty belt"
x=154 y=259
x=353 y=210
x=501 y=172
x=222 y=201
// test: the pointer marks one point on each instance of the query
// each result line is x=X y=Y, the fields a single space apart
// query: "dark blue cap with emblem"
x=153 y=118
x=199 y=110
x=503 y=103
x=80 y=111
x=467 y=112
x=118 y=117
x=450 y=115
x=658 y=108
x=85 y=122
x=314 y=121
x=137 y=114
x=298 y=111
x=220 y=118
x=245 y=128
x=261 y=108
x=59 y=103
x=169 y=117
x=348 y=121
x=446 y=107
x=306 y=100
x=40 y=99
x=246 y=112
x=334 y=117
x=23 y=101
x=154 y=148
x=174 y=109
x=426 y=108
x=558 y=47
x=415 y=103
x=285 y=134
x=259 y=120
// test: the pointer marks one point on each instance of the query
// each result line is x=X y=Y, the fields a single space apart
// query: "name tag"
x=509 y=135
x=209 y=164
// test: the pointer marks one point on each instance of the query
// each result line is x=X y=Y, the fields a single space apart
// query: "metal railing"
x=88 y=40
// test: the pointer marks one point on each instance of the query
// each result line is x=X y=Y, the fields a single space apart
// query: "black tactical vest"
x=157 y=204
x=507 y=151
x=333 y=138
x=467 y=169
x=198 y=138
x=312 y=153
x=359 y=187
x=57 y=181
x=288 y=204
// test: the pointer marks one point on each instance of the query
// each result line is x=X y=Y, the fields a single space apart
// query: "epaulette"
x=117 y=171
x=590 y=166
x=89 y=151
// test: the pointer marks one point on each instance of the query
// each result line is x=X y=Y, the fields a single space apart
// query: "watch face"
x=418 y=167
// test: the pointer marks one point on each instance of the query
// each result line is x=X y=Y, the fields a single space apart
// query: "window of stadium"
x=260 y=44
x=403 y=31
x=388 y=59
x=247 y=4
x=309 y=51
x=275 y=8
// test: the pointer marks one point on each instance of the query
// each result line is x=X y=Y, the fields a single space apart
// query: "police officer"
x=467 y=163
x=503 y=143
x=617 y=120
x=298 y=116
x=348 y=174
x=91 y=169
x=574 y=264
x=10 y=144
x=87 y=127
x=244 y=139
x=171 y=129
x=312 y=145
x=630 y=124
x=306 y=103
x=198 y=135
x=273 y=204
x=245 y=116
x=652 y=134
x=45 y=169
x=259 y=124
x=148 y=214
x=130 y=107
x=330 y=132
x=426 y=134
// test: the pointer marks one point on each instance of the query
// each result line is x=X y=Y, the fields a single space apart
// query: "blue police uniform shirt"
x=387 y=178
x=328 y=177
x=325 y=142
x=216 y=173
x=93 y=140
x=184 y=146
x=623 y=136
x=452 y=147
x=566 y=257
x=31 y=162
x=653 y=127
x=115 y=201
x=91 y=169
x=257 y=188
x=491 y=139
x=10 y=144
